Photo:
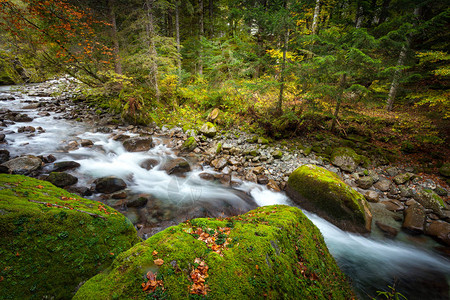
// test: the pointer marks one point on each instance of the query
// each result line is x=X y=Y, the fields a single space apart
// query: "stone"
x=49 y=159
x=405 y=191
x=65 y=165
x=206 y=176
x=444 y=170
x=414 y=218
x=219 y=163
x=439 y=230
x=46 y=241
x=61 y=179
x=86 y=143
x=394 y=205
x=224 y=179
x=388 y=230
x=4 y=155
x=23 y=165
x=109 y=184
x=149 y=164
x=22 y=118
x=233 y=161
x=138 y=144
x=383 y=185
x=208 y=129
x=372 y=196
x=365 y=182
x=258 y=170
x=72 y=145
x=176 y=166
x=272 y=185
x=430 y=200
x=250 y=176
x=138 y=201
x=30 y=129
x=392 y=171
x=403 y=178
x=323 y=192
x=262 y=140
x=262 y=179
x=189 y=144
x=261 y=255
x=345 y=158
x=213 y=114
x=277 y=154
x=2 y=137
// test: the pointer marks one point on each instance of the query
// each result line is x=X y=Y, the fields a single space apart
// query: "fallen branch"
x=60 y=206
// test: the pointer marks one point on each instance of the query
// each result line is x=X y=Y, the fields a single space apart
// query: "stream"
x=371 y=263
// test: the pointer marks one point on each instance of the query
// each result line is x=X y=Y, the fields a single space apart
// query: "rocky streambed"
x=159 y=177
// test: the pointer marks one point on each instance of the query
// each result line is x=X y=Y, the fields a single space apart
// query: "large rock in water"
x=345 y=158
x=51 y=240
x=176 y=166
x=272 y=252
x=61 y=179
x=23 y=165
x=138 y=144
x=109 y=184
x=323 y=192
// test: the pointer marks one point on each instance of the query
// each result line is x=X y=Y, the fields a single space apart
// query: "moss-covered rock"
x=189 y=144
x=445 y=170
x=51 y=240
x=208 y=129
x=272 y=252
x=277 y=154
x=430 y=200
x=323 y=192
x=345 y=158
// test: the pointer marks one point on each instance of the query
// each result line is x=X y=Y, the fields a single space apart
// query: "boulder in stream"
x=138 y=144
x=239 y=257
x=414 y=218
x=23 y=165
x=109 y=184
x=52 y=240
x=323 y=192
x=65 y=165
x=61 y=179
x=176 y=166
x=4 y=155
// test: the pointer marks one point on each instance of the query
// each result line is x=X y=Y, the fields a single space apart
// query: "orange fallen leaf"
x=17 y=254
x=158 y=262
x=154 y=252
x=257 y=267
x=40 y=187
x=110 y=253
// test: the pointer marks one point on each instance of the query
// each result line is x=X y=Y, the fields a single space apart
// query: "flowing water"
x=372 y=264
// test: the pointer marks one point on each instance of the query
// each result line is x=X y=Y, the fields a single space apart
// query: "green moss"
x=272 y=252
x=219 y=148
x=324 y=192
x=189 y=144
x=46 y=250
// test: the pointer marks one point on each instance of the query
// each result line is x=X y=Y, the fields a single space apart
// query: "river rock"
x=189 y=144
x=345 y=158
x=272 y=185
x=383 y=185
x=430 y=200
x=439 y=230
x=445 y=170
x=208 y=129
x=388 y=230
x=262 y=179
x=138 y=200
x=65 y=165
x=251 y=177
x=176 y=166
x=323 y=192
x=251 y=250
x=22 y=118
x=365 y=182
x=86 y=143
x=23 y=165
x=219 y=163
x=393 y=205
x=72 y=145
x=277 y=154
x=138 y=144
x=372 y=196
x=206 y=176
x=403 y=178
x=109 y=184
x=2 y=137
x=4 y=155
x=26 y=129
x=58 y=247
x=149 y=164
x=61 y=179
x=414 y=218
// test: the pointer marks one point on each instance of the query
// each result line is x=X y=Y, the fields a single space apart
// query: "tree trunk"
x=342 y=83
x=211 y=17
x=315 y=18
x=115 y=38
x=359 y=17
x=396 y=79
x=177 y=32
x=152 y=48
x=279 y=109
x=384 y=11
x=202 y=31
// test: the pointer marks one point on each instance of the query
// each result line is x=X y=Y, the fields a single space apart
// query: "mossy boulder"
x=345 y=158
x=277 y=154
x=429 y=199
x=272 y=252
x=51 y=240
x=445 y=170
x=61 y=179
x=208 y=129
x=189 y=144
x=323 y=192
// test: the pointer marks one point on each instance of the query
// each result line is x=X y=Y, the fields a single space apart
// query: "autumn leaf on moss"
x=158 y=262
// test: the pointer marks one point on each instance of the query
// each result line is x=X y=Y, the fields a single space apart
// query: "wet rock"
x=365 y=182
x=2 y=137
x=414 y=218
x=33 y=106
x=138 y=144
x=262 y=179
x=445 y=170
x=405 y=191
x=272 y=185
x=439 y=230
x=224 y=179
x=7 y=98
x=219 y=163
x=138 y=201
x=441 y=191
x=403 y=178
x=388 y=230
x=176 y=166
x=4 y=155
x=109 y=184
x=394 y=205
x=277 y=154
x=79 y=190
x=383 y=185
x=345 y=158
x=189 y=145
x=72 y=145
x=392 y=171
x=250 y=176
x=208 y=129
x=104 y=129
x=26 y=129
x=4 y=170
x=61 y=179
x=65 y=165
x=430 y=200
x=149 y=164
x=23 y=165
x=49 y=159
x=86 y=143
x=120 y=137
x=22 y=118
x=119 y=195
x=372 y=196
x=206 y=176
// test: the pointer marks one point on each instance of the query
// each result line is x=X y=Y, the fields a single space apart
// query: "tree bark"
x=359 y=17
x=177 y=33
x=315 y=18
x=279 y=109
x=396 y=78
x=211 y=17
x=342 y=83
x=115 y=38
x=202 y=31
x=152 y=48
